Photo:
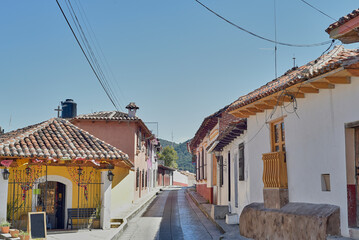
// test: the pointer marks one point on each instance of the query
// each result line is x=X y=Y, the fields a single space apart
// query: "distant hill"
x=184 y=158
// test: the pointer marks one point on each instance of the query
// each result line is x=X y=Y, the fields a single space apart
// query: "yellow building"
x=59 y=168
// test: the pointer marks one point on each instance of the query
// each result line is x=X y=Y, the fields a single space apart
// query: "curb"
x=205 y=213
x=124 y=225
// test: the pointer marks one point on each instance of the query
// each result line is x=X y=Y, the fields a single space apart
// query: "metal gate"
x=30 y=191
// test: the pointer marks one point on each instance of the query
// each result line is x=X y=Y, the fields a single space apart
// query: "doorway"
x=52 y=195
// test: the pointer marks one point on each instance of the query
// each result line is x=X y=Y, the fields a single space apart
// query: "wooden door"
x=357 y=174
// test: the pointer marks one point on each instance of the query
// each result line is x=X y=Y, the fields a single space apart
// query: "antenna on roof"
x=294 y=61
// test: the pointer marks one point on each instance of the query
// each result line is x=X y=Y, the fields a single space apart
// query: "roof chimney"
x=132 y=108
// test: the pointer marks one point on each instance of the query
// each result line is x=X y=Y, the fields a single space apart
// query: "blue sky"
x=177 y=61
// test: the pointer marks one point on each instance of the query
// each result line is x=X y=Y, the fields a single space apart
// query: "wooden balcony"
x=274 y=170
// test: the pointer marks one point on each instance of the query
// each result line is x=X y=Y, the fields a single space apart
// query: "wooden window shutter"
x=221 y=171
x=241 y=162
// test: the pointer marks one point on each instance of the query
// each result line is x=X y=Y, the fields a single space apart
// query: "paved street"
x=172 y=215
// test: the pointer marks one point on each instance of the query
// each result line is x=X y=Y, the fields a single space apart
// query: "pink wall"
x=121 y=135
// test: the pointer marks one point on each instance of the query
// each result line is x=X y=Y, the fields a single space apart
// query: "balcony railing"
x=274 y=170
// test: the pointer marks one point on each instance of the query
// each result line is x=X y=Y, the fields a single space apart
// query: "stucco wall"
x=122 y=190
x=119 y=134
x=242 y=186
x=179 y=179
x=315 y=145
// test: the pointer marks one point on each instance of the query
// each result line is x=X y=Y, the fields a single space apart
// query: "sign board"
x=37 y=225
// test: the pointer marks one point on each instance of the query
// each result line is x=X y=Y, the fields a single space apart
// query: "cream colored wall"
x=122 y=194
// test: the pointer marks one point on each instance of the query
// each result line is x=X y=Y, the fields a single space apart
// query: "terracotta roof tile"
x=343 y=20
x=57 y=138
x=334 y=59
x=107 y=115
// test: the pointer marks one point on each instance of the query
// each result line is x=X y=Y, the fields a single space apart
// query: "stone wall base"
x=293 y=221
x=275 y=197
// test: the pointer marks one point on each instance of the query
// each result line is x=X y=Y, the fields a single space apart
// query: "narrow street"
x=172 y=215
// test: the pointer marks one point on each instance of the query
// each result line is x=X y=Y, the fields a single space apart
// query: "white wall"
x=3 y=196
x=180 y=178
x=242 y=186
x=315 y=145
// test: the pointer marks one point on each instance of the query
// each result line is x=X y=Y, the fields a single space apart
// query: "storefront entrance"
x=52 y=195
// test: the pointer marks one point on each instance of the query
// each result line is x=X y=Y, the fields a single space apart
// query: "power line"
x=100 y=53
x=87 y=58
x=90 y=52
x=261 y=37
x=318 y=10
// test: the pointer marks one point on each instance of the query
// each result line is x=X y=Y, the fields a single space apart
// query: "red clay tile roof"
x=207 y=125
x=233 y=130
x=343 y=20
x=57 y=138
x=114 y=116
x=338 y=57
x=107 y=115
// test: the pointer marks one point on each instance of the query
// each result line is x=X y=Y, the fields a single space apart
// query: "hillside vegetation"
x=184 y=161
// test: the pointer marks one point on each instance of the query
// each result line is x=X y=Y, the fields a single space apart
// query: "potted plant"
x=96 y=220
x=24 y=235
x=5 y=226
x=14 y=233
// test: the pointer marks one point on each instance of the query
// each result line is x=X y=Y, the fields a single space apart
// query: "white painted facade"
x=180 y=178
x=315 y=145
x=4 y=185
x=241 y=195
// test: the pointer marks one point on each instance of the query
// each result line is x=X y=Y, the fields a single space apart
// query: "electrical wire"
x=88 y=47
x=318 y=10
x=261 y=37
x=100 y=53
x=87 y=58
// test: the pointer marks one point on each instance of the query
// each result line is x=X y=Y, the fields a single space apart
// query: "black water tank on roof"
x=69 y=109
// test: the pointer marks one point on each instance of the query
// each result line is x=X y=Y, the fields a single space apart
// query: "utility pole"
x=58 y=110
x=172 y=138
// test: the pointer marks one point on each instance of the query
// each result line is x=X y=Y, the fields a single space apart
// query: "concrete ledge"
x=124 y=225
x=204 y=211
x=293 y=221
x=219 y=211
x=232 y=218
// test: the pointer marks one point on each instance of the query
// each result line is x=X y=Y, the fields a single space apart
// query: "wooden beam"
x=322 y=85
x=272 y=102
x=240 y=115
x=309 y=90
x=263 y=106
x=338 y=80
x=254 y=109
x=296 y=94
x=247 y=112
x=352 y=72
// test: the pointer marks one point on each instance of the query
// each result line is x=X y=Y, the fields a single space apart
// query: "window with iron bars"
x=137 y=178
x=143 y=178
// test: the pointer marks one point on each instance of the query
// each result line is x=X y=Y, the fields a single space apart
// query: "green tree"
x=169 y=155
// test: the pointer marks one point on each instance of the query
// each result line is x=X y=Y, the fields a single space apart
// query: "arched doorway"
x=53 y=195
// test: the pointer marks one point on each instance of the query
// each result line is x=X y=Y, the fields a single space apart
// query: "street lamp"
x=79 y=171
x=110 y=175
x=6 y=174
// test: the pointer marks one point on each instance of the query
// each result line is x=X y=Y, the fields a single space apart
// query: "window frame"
x=281 y=136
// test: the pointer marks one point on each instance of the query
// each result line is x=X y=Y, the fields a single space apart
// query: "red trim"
x=180 y=184
x=206 y=192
